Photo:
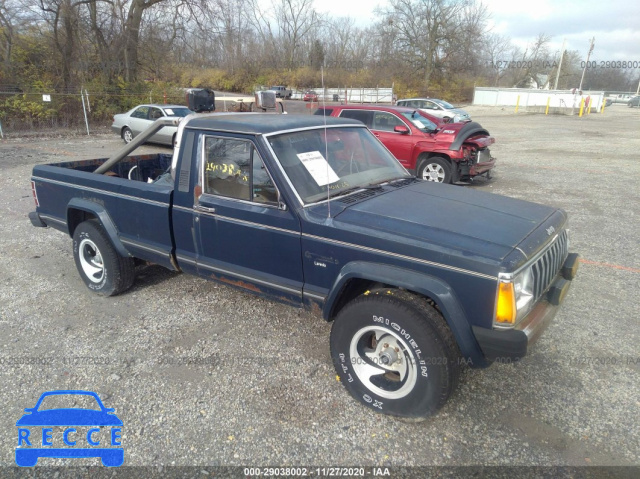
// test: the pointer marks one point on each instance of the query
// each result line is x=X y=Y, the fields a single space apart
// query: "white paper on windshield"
x=168 y=111
x=318 y=168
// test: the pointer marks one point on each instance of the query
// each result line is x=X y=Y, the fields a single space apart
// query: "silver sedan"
x=128 y=125
x=439 y=108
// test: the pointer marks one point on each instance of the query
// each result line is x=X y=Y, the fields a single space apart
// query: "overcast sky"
x=615 y=24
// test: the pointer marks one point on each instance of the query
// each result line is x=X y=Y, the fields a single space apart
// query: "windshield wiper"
x=371 y=186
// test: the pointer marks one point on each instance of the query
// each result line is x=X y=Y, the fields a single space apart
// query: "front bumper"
x=480 y=168
x=508 y=345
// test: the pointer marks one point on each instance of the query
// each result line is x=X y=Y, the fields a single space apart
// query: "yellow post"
x=604 y=101
x=546 y=112
x=581 y=107
x=517 y=103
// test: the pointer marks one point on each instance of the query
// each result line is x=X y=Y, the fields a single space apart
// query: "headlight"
x=514 y=299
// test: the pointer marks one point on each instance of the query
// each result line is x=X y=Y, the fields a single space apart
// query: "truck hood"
x=426 y=219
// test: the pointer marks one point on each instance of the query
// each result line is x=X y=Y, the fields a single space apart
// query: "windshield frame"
x=304 y=204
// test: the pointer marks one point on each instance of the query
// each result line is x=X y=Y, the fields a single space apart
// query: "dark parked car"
x=129 y=125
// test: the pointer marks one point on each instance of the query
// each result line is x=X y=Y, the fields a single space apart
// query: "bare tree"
x=422 y=29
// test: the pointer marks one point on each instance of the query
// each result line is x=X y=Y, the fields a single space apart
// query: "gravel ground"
x=204 y=375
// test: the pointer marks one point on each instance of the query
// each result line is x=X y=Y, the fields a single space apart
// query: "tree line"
x=423 y=47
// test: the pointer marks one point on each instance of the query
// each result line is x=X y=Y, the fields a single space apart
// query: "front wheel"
x=127 y=135
x=101 y=268
x=436 y=169
x=395 y=354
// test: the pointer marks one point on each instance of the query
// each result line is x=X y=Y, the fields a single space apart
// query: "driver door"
x=246 y=237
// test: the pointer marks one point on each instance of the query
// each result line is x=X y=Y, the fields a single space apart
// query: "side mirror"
x=403 y=130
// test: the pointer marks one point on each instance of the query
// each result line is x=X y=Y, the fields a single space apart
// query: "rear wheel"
x=101 y=268
x=127 y=134
x=395 y=354
x=436 y=169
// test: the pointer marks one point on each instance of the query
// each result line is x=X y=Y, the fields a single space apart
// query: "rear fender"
x=101 y=214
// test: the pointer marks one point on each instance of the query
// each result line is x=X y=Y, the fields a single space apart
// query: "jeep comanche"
x=419 y=278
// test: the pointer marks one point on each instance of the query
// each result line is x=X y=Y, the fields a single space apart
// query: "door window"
x=141 y=112
x=155 y=113
x=384 y=121
x=234 y=169
x=361 y=115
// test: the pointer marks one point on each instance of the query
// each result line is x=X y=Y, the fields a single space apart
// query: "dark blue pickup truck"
x=418 y=278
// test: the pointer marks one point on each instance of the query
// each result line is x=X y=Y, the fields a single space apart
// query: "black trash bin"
x=336 y=97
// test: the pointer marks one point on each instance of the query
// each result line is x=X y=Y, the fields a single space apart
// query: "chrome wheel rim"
x=127 y=136
x=433 y=172
x=91 y=261
x=382 y=362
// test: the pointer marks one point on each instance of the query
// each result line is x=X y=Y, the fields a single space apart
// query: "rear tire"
x=436 y=169
x=102 y=269
x=395 y=354
x=127 y=135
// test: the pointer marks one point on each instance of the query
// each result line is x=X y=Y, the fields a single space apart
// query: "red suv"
x=434 y=151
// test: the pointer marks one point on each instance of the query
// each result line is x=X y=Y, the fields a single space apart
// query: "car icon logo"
x=85 y=432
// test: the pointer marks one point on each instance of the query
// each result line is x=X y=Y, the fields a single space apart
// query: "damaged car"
x=430 y=149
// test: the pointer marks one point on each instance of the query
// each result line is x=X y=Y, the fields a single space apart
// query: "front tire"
x=395 y=354
x=127 y=135
x=102 y=269
x=436 y=169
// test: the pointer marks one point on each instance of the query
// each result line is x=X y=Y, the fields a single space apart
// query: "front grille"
x=547 y=266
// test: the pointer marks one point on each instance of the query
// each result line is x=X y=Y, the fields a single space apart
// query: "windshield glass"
x=420 y=121
x=336 y=160
x=181 y=112
x=444 y=104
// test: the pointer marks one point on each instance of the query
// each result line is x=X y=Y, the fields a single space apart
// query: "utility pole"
x=555 y=86
x=593 y=40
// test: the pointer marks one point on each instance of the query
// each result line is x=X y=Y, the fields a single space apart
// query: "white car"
x=128 y=125
x=439 y=108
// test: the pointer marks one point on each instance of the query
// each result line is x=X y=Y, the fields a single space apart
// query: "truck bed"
x=139 y=212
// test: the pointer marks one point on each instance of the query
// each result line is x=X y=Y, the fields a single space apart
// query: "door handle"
x=205 y=209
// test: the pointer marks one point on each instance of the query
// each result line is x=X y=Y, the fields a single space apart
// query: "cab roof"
x=263 y=123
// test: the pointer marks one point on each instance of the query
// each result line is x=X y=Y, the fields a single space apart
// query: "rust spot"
x=314 y=308
x=238 y=283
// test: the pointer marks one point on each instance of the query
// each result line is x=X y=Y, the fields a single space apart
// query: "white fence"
x=563 y=101
x=352 y=95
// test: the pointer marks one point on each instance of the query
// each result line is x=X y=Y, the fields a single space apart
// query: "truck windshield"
x=322 y=163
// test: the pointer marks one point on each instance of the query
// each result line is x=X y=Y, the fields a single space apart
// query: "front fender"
x=103 y=217
x=424 y=284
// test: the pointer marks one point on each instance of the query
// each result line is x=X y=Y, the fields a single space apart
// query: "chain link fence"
x=81 y=109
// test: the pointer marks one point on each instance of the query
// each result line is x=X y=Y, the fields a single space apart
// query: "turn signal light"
x=506 y=308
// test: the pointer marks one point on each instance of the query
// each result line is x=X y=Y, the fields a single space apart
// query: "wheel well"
x=357 y=286
x=75 y=217
x=430 y=154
